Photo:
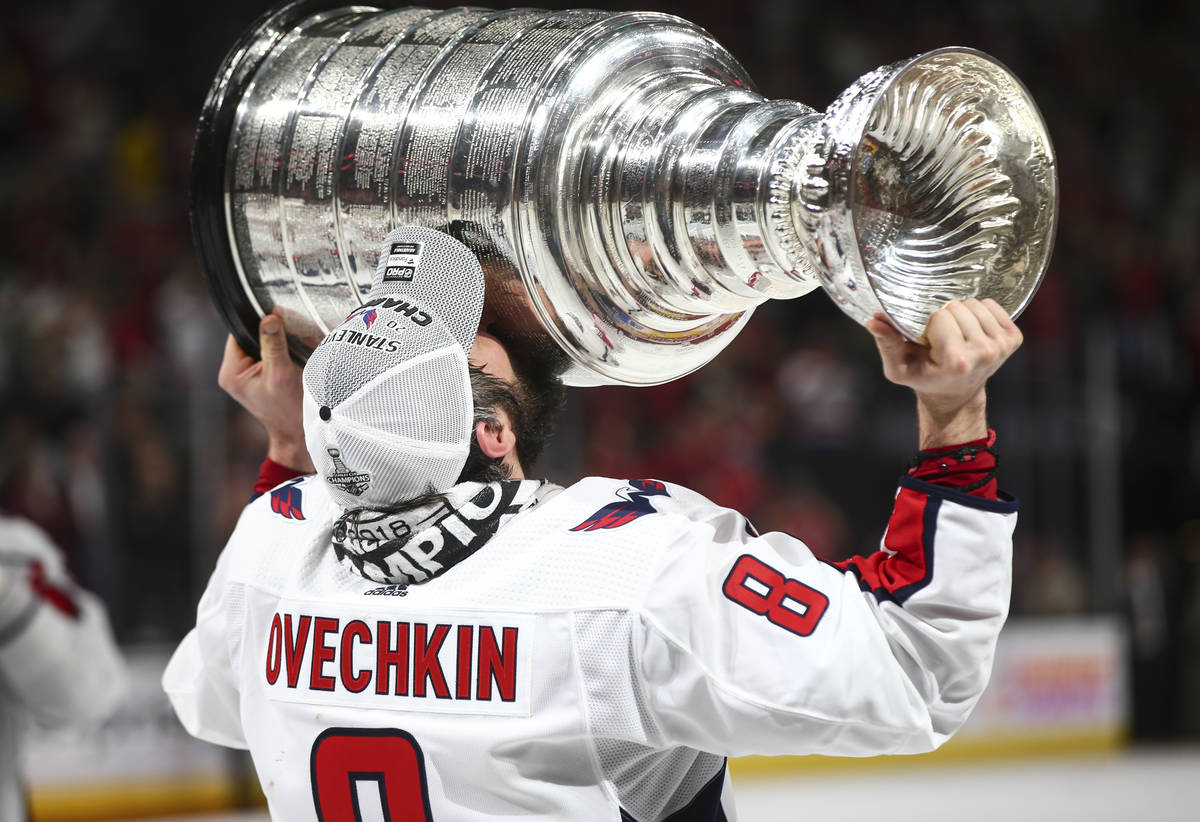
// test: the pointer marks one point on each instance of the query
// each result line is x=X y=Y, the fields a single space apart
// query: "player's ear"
x=496 y=438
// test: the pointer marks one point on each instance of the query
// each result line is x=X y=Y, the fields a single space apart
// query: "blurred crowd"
x=115 y=438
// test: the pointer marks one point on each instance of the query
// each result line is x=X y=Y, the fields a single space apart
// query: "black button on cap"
x=325 y=413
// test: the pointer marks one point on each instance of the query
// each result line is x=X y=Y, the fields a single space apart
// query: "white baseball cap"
x=387 y=396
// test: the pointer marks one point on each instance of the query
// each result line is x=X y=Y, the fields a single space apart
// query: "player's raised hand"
x=270 y=389
x=968 y=342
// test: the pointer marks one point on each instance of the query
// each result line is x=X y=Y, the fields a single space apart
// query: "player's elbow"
x=943 y=688
x=948 y=707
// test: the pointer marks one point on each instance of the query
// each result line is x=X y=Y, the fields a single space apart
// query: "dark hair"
x=539 y=392
x=490 y=395
x=532 y=401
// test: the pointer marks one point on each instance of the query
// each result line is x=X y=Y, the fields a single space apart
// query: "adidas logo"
x=388 y=591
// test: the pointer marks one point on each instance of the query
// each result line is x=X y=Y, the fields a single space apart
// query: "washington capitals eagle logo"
x=286 y=500
x=634 y=502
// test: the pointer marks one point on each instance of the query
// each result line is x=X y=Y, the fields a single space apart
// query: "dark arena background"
x=115 y=438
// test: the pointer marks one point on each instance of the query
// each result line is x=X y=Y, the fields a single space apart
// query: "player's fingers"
x=943 y=328
x=233 y=351
x=1008 y=328
x=948 y=349
x=883 y=331
x=986 y=319
x=887 y=338
x=968 y=323
x=985 y=344
x=997 y=311
x=894 y=350
x=234 y=361
x=272 y=342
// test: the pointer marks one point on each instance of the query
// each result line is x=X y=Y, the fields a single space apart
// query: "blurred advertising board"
x=1057 y=684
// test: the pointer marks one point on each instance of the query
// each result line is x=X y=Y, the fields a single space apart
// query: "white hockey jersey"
x=59 y=663
x=597 y=659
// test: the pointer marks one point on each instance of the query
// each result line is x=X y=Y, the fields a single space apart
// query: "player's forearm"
x=942 y=422
x=950 y=626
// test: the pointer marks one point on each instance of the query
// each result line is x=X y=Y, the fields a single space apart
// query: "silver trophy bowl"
x=631 y=197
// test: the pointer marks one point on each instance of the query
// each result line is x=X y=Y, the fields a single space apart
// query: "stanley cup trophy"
x=630 y=196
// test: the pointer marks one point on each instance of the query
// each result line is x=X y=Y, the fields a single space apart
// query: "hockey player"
x=59 y=663
x=420 y=632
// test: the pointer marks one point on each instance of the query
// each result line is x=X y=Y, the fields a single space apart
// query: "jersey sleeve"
x=58 y=658
x=201 y=678
x=750 y=644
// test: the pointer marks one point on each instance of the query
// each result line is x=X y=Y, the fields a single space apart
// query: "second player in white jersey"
x=59 y=662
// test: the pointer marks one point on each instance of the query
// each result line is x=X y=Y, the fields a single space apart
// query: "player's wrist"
x=968 y=466
x=945 y=421
x=289 y=453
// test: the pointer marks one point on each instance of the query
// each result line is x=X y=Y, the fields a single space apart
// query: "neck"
x=513 y=464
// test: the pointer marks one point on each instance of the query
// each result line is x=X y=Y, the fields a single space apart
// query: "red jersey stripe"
x=906 y=566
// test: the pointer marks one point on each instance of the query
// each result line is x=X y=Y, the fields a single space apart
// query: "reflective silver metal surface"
x=631 y=196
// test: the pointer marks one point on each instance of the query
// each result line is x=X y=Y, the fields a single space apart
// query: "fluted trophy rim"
x=1034 y=111
x=826 y=207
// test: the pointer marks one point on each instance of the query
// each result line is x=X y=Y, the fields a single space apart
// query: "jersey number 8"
x=788 y=603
